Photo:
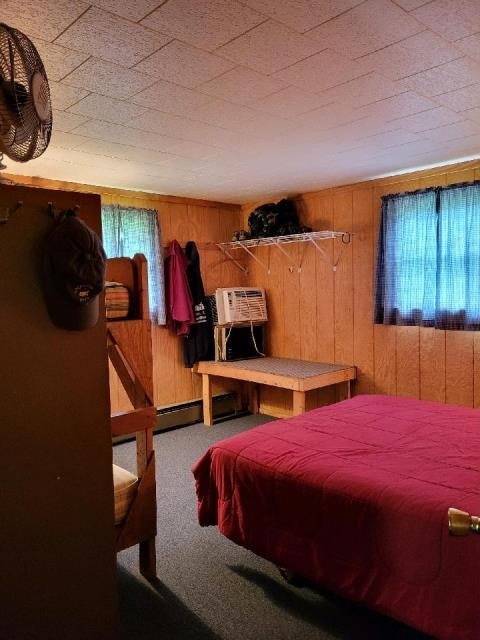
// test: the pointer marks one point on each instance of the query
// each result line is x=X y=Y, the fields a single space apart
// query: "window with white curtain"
x=131 y=230
x=428 y=260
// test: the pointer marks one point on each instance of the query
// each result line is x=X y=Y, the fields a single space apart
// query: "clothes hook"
x=7 y=212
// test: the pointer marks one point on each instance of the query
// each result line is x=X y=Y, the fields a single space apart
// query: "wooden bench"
x=299 y=376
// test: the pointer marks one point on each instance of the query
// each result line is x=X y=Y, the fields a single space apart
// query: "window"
x=127 y=231
x=428 y=260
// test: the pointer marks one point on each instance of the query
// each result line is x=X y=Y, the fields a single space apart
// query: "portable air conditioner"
x=240 y=304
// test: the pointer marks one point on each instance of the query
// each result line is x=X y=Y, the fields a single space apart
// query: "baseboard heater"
x=224 y=406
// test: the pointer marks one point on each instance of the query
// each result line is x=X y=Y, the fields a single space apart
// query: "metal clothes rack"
x=313 y=237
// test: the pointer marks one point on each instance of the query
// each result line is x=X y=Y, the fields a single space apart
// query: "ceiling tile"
x=45 y=19
x=171 y=98
x=472 y=114
x=452 y=19
x=430 y=119
x=451 y=150
x=158 y=122
x=107 y=109
x=470 y=45
x=223 y=114
x=63 y=121
x=453 y=131
x=127 y=9
x=124 y=151
x=108 y=79
x=408 y=5
x=363 y=90
x=302 y=15
x=185 y=164
x=265 y=126
x=142 y=139
x=104 y=35
x=219 y=137
x=63 y=96
x=418 y=53
x=241 y=86
x=359 y=129
x=446 y=77
x=185 y=129
x=461 y=99
x=58 y=61
x=269 y=47
x=290 y=102
x=332 y=115
x=184 y=65
x=65 y=140
x=368 y=27
x=206 y=24
x=322 y=71
x=399 y=106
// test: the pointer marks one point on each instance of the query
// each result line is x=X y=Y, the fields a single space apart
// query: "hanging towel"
x=179 y=300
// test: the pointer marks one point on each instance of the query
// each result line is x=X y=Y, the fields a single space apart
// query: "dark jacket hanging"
x=198 y=344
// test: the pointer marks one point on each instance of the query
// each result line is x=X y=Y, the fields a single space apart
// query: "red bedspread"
x=354 y=496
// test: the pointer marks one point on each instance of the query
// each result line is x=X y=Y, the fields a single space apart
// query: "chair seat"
x=124 y=489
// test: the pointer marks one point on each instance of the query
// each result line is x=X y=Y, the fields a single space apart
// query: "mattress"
x=354 y=496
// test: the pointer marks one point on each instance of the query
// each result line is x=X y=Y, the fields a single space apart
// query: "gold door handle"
x=461 y=523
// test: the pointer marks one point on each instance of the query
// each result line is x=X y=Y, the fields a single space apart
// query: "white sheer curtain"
x=130 y=230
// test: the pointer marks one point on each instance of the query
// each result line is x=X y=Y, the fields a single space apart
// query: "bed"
x=354 y=496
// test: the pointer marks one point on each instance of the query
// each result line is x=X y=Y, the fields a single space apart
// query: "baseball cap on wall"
x=73 y=272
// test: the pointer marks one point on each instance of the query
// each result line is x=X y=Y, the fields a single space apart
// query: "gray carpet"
x=209 y=588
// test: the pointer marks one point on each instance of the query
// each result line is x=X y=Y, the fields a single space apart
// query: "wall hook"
x=7 y=211
x=56 y=214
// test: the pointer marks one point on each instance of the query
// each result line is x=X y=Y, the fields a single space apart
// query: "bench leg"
x=207 y=399
x=298 y=402
x=253 y=405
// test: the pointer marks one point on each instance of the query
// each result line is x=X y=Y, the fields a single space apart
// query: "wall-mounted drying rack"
x=278 y=241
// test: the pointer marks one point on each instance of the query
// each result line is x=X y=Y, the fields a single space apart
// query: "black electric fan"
x=25 y=105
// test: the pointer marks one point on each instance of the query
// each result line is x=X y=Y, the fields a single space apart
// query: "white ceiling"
x=240 y=100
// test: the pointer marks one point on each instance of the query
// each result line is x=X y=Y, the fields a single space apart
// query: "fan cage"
x=23 y=134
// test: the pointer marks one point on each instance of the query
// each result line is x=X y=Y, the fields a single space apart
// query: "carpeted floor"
x=208 y=588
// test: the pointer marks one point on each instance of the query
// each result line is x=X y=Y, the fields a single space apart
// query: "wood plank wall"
x=182 y=219
x=323 y=315
x=317 y=313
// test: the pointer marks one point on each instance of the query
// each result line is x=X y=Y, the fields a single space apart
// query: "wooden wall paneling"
x=343 y=255
x=385 y=359
x=408 y=361
x=324 y=294
x=390 y=360
x=164 y=353
x=430 y=181
x=432 y=364
x=119 y=400
x=363 y=272
x=459 y=367
x=273 y=401
x=457 y=174
x=308 y=304
x=292 y=282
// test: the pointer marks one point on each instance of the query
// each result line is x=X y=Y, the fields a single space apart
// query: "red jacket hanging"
x=178 y=296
